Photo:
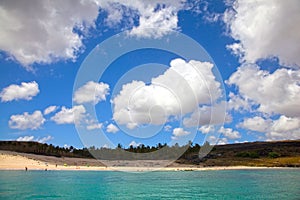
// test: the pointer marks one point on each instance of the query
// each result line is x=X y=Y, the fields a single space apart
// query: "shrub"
x=253 y=155
x=273 y=155
x=242 y=154
x=247 y=154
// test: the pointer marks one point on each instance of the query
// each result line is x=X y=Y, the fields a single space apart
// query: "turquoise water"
x=231 y=184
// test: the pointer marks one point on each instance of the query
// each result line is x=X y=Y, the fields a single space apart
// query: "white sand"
x=19 y=161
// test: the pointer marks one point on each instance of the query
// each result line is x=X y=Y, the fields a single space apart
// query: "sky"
x=84 y=73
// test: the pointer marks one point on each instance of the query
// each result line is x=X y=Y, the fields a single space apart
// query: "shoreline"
x=129 y=169
x=11 y=161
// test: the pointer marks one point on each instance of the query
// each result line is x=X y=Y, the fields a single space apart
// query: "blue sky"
x=64 y=80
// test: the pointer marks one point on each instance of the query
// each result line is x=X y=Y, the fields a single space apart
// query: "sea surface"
x=225 y=184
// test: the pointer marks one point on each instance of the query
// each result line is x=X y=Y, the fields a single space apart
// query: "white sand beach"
x=21 y=161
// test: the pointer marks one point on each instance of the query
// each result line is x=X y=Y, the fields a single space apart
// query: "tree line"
x=160 y=151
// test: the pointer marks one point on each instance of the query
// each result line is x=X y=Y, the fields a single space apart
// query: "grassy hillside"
x=279 y=154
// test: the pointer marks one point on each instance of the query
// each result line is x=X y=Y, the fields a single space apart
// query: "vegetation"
x=248 y=154
x=273 y=155
x=44 y=149
x=280 y=154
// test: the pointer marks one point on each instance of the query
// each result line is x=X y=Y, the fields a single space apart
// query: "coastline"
x=21 y=161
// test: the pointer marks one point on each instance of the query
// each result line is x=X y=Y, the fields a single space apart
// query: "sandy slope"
x=19 y=161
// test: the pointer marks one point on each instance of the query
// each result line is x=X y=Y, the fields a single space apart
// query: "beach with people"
x=22 y=161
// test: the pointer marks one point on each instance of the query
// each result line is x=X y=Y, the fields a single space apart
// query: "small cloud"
x=238 y=103
x=25 y=139
x=206 y=129
x=167 y=128
x=213 y=140
x=44 y=139
x=134 y=144
x=91 y=92
x=179 y=132
x=106 y=146
x=50 y=109
x=69 y=115
x=16 y=92
x=27 y=121
x=31 y=138
x=94 y=126
x=256 y=123
x=131 y=125
x=111 y=128
x=229 y=133
x=280 y=129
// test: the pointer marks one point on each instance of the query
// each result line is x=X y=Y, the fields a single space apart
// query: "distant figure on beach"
x=26 y=169
x=46 y=169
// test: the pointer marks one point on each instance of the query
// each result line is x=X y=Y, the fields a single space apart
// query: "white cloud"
x=131 y=125
x=265 y=29
x=111 y=128
x=229 y=133
x=238 y=103
x=206 y=129
x=290 y=135
x=134 y=144
x=283 y=128
x=91 y=92
x=205 y=115
x=284 y=124
x=94 y=126
x=50 y=109
x=44 y=139
x=179 y=132
x=47 y=31
x=156 y=24
x=25 y=138
x=69 y=115
x=155 y=18
x=167 y=128
x=213 y=140
x=274 y=93
x=24 y=91
x=43 y=31
x=106 y=146
x=31 y=138
x=236 y=48
x=27 y=121
x=222 y=141
x=90 y=122
x=176 y=92
x=255 y=124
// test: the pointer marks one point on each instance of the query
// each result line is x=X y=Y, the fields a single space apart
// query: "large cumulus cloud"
x=180 y=90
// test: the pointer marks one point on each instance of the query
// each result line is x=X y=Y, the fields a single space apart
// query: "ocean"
x=274 y=184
